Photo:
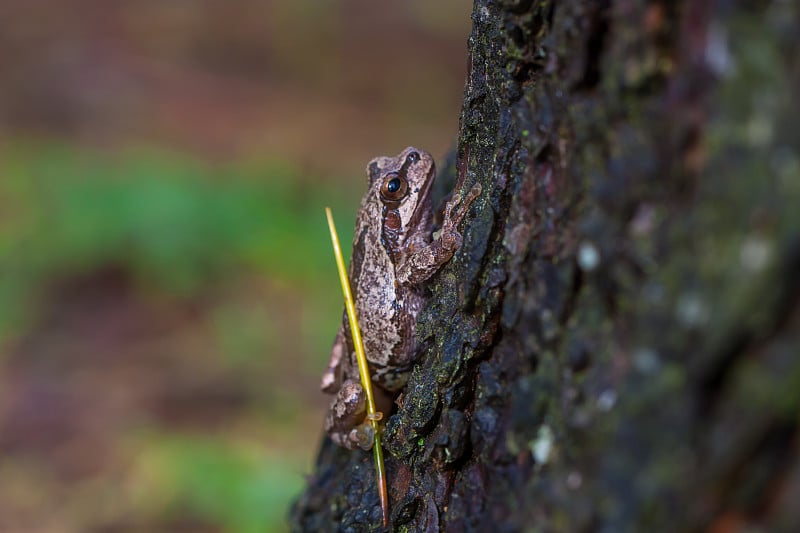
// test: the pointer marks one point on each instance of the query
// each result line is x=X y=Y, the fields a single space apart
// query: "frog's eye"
x=393 y=188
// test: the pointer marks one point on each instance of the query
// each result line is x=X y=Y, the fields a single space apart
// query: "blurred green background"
x=167 y=292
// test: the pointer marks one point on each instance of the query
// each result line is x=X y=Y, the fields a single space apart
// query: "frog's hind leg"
x=347 y=412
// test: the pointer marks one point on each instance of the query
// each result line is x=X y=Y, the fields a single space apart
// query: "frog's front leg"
x=347 y=422
x=423 y=263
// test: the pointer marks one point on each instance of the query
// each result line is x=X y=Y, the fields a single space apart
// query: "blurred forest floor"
x=167 y=292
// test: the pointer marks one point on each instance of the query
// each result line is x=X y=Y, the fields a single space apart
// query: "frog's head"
x=403 y=186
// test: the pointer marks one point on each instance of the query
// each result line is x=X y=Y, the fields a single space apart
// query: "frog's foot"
x=347 y=411
x=453 y=217
x=363 y=435
x=454 y=213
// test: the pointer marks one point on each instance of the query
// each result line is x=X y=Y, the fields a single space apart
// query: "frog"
x=394 y=254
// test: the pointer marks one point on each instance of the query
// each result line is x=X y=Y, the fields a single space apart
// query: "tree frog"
x=394 y=252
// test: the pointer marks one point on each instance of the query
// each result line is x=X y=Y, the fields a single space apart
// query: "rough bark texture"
x=615 y=347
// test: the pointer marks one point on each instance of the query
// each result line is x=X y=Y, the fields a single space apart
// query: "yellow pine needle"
x=363 y=369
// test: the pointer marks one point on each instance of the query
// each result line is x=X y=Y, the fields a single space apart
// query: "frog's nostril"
x=412 y=158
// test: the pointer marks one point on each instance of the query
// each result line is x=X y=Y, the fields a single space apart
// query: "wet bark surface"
x=615 y=346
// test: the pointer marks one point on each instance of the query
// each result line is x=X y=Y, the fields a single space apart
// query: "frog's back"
x=386 y=326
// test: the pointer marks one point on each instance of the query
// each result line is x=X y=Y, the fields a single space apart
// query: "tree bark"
x=615 y=346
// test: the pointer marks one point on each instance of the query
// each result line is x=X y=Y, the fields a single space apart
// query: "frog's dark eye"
x=412 y=158
x=393 y=188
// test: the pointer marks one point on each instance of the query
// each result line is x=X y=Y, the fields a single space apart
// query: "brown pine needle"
x=363 y=369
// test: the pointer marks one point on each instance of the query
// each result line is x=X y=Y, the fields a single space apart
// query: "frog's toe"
x=451 y=206
x=363 y=436
x=474 y=192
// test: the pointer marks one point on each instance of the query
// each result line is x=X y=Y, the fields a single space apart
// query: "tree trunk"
x=615 y=346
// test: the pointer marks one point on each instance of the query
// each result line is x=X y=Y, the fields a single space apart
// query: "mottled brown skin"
x=393 y=254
